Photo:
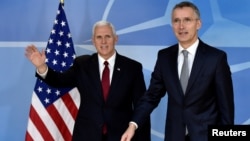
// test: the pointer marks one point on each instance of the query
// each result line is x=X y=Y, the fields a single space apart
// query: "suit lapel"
x=118 y=69
x=95 y=75
x=197 y=64
x=173 y=57
x=172 y=63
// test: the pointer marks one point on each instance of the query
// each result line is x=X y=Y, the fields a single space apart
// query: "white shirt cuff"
x=43 y=75
x=136 y=126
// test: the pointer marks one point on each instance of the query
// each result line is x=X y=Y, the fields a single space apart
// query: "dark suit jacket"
x=208 y=99
x=127 y=86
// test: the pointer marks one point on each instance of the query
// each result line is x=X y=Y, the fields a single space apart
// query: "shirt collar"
x=192 y=49
x=111 y=60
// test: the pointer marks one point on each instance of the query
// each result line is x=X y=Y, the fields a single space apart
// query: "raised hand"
x=36 y=57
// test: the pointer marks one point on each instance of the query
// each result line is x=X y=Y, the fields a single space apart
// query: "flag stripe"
x=59 y=122
x=40 y=124
x=28 y=137
x=53 y=111
x=70 y=105
x=48 y=121
x=69 y=120
x=74 y=93
x=34 y=132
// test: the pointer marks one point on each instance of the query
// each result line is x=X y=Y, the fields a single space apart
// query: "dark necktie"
x=105 y=87
x=105 y=80
x=184 y=71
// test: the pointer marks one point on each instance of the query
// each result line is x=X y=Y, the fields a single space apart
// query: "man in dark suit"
x=208 y=98
x=96 y=113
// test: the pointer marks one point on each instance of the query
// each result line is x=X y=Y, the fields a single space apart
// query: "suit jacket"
x=208 y=99
x=127 y=86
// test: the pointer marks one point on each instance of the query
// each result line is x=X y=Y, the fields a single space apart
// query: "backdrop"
x=143 y=27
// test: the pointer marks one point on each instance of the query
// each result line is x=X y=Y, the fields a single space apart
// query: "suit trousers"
x=104 y=137
x=187 y=138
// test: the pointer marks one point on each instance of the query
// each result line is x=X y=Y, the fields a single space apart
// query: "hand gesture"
x=36 y=58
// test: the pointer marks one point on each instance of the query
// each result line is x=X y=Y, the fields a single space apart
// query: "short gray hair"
x=103 y=23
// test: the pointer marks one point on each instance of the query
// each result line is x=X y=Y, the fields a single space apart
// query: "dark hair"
x=188 y=4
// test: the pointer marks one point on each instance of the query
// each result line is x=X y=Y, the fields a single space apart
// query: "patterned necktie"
x=105 y=80
x=184 y=71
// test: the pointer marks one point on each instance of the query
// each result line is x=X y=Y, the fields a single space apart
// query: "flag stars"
x=57 y=52
x=67 y=45
x=54 y=62
x=59 y=43
x=69 y=35
x=63 y=64
x=53 y=31
x=50 y=41
x=74 y=56
x=58 y=92
x=48 y=91
x=65 y=54
x=61 y=33
x=58 y=12
x=56 y=21
x=48 y=50
x=46 y=100
x=39 y=89
x=63 y=23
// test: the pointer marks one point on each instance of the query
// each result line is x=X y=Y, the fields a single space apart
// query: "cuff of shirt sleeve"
x=136 y=126
x=43 y=75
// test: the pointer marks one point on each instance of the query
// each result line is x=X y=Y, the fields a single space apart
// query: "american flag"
x=53 y=110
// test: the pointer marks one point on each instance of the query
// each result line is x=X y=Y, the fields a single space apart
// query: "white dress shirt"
x=111 y=62
x=191 y=54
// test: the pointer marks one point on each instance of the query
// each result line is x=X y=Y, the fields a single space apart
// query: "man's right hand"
x=37 y=58
x=129 y=133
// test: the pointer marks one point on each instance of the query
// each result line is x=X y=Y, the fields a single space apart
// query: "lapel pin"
x=118 y=69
